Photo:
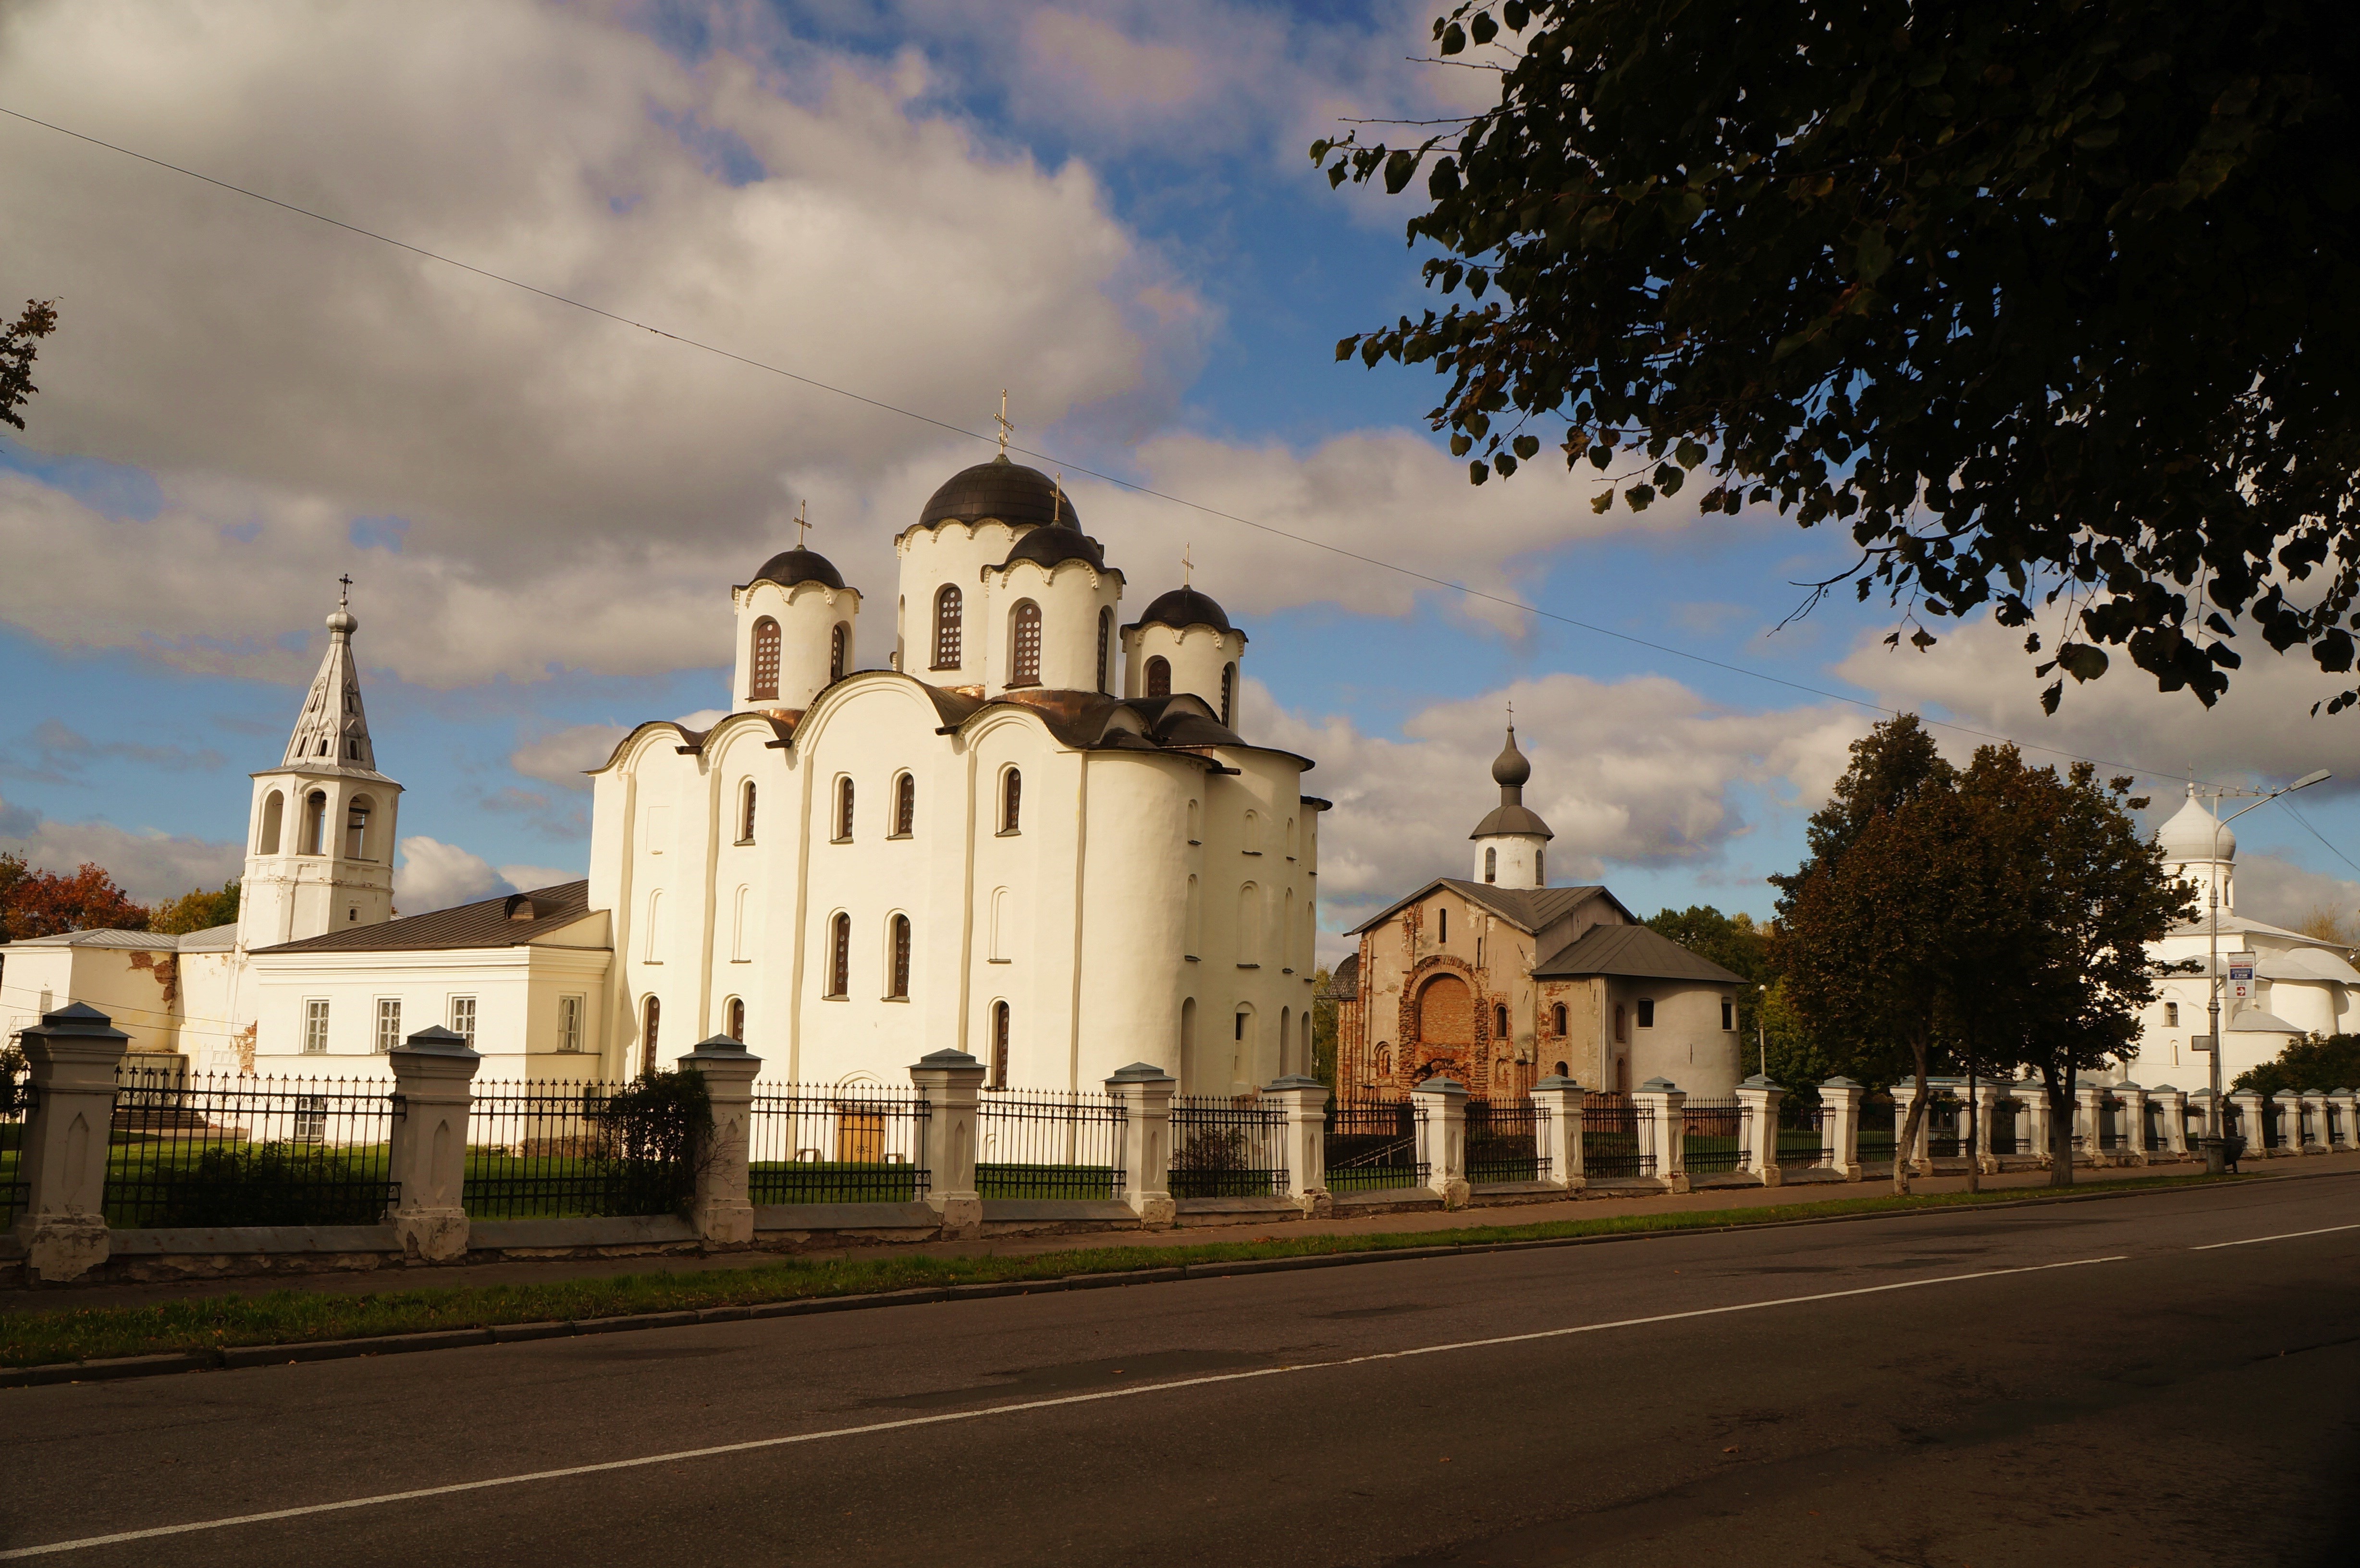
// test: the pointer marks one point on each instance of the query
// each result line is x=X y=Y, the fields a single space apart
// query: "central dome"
x=2191 y=834
x=1008 y=491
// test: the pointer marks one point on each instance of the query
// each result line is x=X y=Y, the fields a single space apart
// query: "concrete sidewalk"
x=362 y=1281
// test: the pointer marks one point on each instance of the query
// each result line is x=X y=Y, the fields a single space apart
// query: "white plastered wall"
x=807 y=614
x=1071 y=596
x=1198 y=656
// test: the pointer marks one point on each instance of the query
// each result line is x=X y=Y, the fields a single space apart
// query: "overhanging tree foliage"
x=2050 y=302
x=19 y=345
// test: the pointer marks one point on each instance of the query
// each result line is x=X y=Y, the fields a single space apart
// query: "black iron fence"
x=1227 y=1148
x=1616 y=1140
x=1877 y=1127
x=1713 y=1134
x=2112 y=1133
x=552 y=1150
x=1807 y=1144
x=15 y=1103
x=1947 y=1136
x=2309 y=1122
x=2010 y=1127
x=1507 y=1141
x=852 y=1144
x=1048 y=1143
x=1372 y=1145
x=216 y=1150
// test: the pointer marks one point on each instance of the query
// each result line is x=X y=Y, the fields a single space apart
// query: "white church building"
x=1038 y=837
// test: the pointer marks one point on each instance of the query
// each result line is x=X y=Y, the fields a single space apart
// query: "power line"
x=1069 y=465
x=2319 y=836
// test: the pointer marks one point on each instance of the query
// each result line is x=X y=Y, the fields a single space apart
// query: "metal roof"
x=513 y=920
x=1637 y=951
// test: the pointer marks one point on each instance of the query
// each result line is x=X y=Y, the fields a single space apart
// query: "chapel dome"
x=1511 y=769
x=2189 y=835
x=1183 y=608
x=789 y=567
x=1008 y=491
x=1046 y=548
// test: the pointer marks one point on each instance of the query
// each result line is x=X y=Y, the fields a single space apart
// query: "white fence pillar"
x=72 y=1054
x=1840 y=1097
x=1987 y=1100
x=2314 y=1108
x=2089 y=1112
x=2208 y=1115
x=950 y=1081
x=1144 y=1091
x=1442 y=1137
x=1664 y=1104
x=2134 y=1113
x=2250 y=1111
x=1302 y=1102
x=724 y=1214
x=2345 y=1134
x=2172 y=1112
x=433 y=1087
x=1561 y=1100
x=1758 y=1100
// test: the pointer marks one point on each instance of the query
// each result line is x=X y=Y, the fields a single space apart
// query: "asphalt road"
x=2097 y=1384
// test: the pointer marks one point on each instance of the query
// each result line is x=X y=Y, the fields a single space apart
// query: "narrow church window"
x=844 y=811
x=839 y=961
x=357 y=817
x=2171 y=1015
x=1159 y=676
x=948 y=627
x=905 y=805
x=1229 y=695
x=649 y=1018
x=1285 y=1041
x=315 y=824
x=1024 y=646
x=1193 y=921
x=1539 y=880
x=1499 y=1021
x=1646 y=1012
x=388 y=1023
x=1727 y=1014
x=274 y=807
x=1385 y=1059
x=1250 y=937
x=1105 y=645
x=901 y=970
x=745 y=815
x=734 y=1014
x=1441 y=925
x=840 y=650
x=1560 y=1069
x=1011 y=802
x=315 y=1027
x=1620 y=1033
x=1557 y=1023
x=1253 y=832
x=1490 y=865
x=999 y=1045
x=763 y=681
x=568 y=1023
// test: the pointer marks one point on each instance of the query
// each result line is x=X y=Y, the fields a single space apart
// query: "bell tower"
x=320 y=838
x=1512 y=843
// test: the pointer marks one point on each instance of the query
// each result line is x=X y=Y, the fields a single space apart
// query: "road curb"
x=244 y=1355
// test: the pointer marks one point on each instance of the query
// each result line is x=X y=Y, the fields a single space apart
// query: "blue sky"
x=1104 y=207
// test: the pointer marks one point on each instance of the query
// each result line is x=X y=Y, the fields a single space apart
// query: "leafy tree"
x=2040 y=298
x=18 y=345
x=1323 y=1028
x=41 y=903
x=2315 y=1062
x=195 y=910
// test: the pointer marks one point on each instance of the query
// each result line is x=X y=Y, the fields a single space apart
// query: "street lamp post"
x=1761 y=1040
x=2215 y=1146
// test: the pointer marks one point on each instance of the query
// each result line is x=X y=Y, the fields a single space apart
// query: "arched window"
x=1557 y=1022
x=1248 y=926
x=1490 y=865
x=1441 y=925
x=1159 y=676
x=905 y=805
x=1253 y=832
x=1560 y=1069
x=737 y=1019
x=1285 y=1041
x=273 y=808
x=1498 y=1020
x=315 y=822
x=839 y=956
x=1196 y=832
x=1011 y=802
x=764 y=682
x=1620 y=1034
x=1024 y=645
x=1540 y=878
x=1105 y=647
x=844 y=811
x=999 y=1045
x=650 y=1016
x=1187 y=1042
x=746 y=815
x=1229 y=694
x=356 y=820
x=1385 y=1059
x=900 y=958
x=840 y=650
x=1193 y=921
x=946 y=627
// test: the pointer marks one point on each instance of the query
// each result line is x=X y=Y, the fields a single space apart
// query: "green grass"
x=285 y=1317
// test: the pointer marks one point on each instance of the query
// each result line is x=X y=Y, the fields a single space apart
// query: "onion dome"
x=1048 y=548
x=1183 y=608
x=1015 y=495
x=2190 y=834
x=789 y=567
x=1510 y=771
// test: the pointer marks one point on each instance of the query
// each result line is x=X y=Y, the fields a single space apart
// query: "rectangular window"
x=1727 y=1014
x=388 y=1023
x=1646 y=1012
x=310 y=1119
x=2171 y=1015
x=315 y=1027
x=463 y=1019
x=568 y=1023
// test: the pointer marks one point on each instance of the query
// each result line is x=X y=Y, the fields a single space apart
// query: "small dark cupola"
x=1509 y=840
x=789 y=567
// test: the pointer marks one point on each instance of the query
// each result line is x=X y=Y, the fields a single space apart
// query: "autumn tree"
x=196 y=910
x=19 y=345
x=42 y=903
x=2045 y=302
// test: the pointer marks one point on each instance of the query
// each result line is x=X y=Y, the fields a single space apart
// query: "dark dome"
x=789 y=567
x=1511 y=769
x=1183 y=608
x=1047 y=547
x=1008 y=491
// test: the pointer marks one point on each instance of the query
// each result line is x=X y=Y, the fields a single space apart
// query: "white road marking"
x=1018 y=1408
x=2282 y=1235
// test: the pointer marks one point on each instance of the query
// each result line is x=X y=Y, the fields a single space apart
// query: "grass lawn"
x=284 y=1317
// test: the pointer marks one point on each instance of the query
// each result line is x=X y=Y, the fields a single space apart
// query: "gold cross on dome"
x=1187 y=568
x=801 y=523
x=1057 y=499
x=1000 y=419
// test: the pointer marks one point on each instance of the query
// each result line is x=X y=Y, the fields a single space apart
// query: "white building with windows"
x=1038 y=837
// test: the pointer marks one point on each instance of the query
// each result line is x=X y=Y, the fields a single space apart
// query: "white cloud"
x=525 y=878
x=563 y=756
x=432 y=875
x=148 y=865
x=2277 y=890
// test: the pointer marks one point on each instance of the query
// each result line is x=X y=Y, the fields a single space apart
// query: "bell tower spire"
x=320 y=834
